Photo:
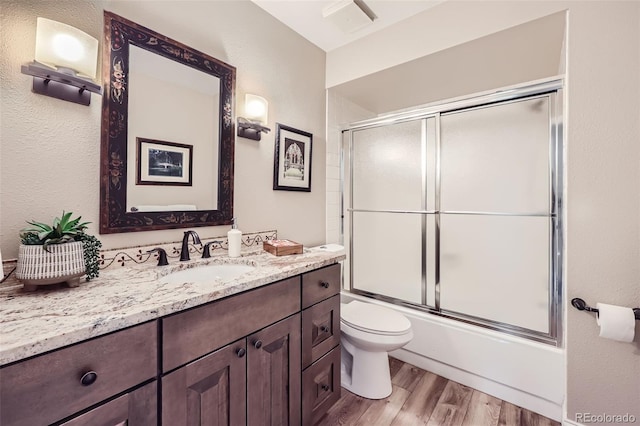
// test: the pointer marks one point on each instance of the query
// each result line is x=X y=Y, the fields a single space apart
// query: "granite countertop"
x=33 y=323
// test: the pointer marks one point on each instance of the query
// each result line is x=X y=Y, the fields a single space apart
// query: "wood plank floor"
x=423 y=398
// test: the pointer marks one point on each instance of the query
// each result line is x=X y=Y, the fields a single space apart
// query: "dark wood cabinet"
x=321 y=349
x=273 y=374
x=196 y=332
x=267 y=356
x=254 y=381
x=209 y=391
x=50 y=387
x=136 y=408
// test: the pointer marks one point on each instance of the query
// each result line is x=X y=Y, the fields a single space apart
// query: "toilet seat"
x=374 y=319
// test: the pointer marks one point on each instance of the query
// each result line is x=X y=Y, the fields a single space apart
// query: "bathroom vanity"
x=128 y=348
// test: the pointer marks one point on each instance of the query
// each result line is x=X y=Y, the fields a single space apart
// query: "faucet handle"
x=162 y=256
x=206 y=253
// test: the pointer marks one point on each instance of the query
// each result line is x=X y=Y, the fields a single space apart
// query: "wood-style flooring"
x=423 y=398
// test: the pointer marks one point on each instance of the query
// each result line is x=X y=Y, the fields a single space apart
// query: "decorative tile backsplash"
x=127 y=256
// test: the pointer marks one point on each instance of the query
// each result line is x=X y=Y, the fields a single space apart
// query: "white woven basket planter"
x=62 y=263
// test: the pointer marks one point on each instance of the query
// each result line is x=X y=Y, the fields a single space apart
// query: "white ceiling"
x=305 y=18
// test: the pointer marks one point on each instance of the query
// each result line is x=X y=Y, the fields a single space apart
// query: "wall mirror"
x=167 y=133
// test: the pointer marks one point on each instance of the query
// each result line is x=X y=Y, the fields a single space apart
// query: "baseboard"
x=517 y=397
x=568 y=422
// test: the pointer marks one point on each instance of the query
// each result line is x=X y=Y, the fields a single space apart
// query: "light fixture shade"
x=64 y=46
x=256 y=108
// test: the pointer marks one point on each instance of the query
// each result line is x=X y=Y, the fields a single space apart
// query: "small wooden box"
x=282 y=247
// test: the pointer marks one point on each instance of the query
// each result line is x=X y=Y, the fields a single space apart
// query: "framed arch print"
x=292 y=159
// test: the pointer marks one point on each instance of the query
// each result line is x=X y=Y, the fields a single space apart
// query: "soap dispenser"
x=234 y=239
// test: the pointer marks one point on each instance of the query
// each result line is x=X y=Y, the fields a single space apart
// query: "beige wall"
x=50 y=148
x=602 y=198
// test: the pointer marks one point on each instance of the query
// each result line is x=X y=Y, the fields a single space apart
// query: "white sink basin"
x=224 y=272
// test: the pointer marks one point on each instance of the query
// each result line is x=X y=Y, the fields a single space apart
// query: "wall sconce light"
x=65 y=63
x=255 y=109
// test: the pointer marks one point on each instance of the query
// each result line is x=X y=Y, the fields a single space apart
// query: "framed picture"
x=292 y=165
x=164 y=163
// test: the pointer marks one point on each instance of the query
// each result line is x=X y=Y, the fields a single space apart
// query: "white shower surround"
x=526 y=373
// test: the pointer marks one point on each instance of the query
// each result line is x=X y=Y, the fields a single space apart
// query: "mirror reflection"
x=167 y=133
x=181 y=121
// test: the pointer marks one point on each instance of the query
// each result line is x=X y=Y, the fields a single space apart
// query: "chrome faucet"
x=184 y=252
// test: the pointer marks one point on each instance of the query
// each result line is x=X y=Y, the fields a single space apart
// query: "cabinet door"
x=137 y=408
x=273 y=374
x=210 y=391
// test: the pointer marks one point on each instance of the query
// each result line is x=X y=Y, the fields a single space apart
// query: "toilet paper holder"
x=581 y=305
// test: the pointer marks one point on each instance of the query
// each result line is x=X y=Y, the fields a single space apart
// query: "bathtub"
x=525 y=373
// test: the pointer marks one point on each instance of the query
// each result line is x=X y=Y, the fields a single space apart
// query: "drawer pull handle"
x=89 y=378
x=240 y=352
x=324 y=387
x=324 y=284
x=324 y=329
x=257 y=344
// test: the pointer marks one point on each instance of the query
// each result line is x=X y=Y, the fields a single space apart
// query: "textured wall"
x=50 y=148
x=603 y=198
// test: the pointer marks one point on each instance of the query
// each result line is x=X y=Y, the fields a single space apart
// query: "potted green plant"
x=61 y=252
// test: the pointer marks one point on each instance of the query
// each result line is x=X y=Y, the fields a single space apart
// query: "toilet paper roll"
x=616 y=322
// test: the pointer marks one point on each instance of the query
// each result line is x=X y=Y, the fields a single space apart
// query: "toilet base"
x=357 y=367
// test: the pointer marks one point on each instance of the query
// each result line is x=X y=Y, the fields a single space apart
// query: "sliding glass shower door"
x=391 y=201
x=456 y=211
x=494 y=212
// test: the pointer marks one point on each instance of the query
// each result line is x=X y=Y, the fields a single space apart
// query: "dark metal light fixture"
x=256 y=110
x=65 y=63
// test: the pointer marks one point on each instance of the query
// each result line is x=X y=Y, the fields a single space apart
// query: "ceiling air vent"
x=349 y=15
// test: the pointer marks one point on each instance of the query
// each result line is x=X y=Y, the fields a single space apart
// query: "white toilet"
x=368 y=333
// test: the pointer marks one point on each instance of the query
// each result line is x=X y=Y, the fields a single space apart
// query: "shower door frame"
x=553 y=90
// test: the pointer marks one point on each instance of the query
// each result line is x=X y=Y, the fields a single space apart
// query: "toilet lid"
x=374 y=319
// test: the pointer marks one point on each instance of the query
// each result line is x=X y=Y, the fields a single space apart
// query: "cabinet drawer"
x=137 y=408
x=191 y=334
x=320 y=284
x=48 y=388
x=320 y=329
x=320 y=387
